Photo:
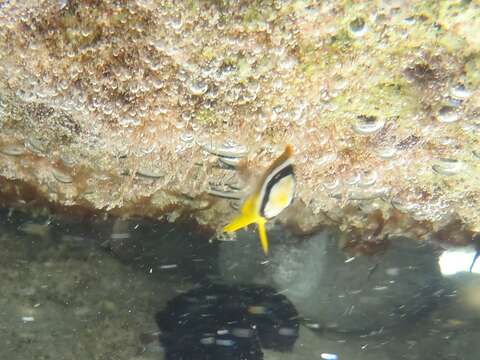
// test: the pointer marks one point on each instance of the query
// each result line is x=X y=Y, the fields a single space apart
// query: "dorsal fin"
x=286 y=155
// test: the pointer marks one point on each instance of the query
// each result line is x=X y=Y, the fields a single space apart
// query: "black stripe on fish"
x=281 y=173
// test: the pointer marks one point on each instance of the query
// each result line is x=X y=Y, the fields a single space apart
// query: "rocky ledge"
x=142 y=107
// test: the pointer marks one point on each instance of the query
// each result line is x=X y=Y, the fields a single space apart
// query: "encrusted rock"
x=124 y=105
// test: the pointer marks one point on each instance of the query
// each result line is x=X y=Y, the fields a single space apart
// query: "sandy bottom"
x=68 y=298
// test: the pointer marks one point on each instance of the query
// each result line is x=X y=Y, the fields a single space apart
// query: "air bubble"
x=367 y=194
x=173 y=51
x=358 y=27
x=186 y=137
x=228 y=150
x=366 y=125
x=387 y=152
x=176 y=23
x=36 y=146
x=158 y=84
x=353 y=179
x=326 y=159
x=368 y=178
x=180 y=148
x=123 y=74
x=13 y=150
x=299 y=115
x=195 y=127
x=402 y=206
x=107 y=109
x=129 y=121
x=278 y=85
x=288 y=63
x=145 y=3
x=160 y=110
x=198 y=88
x=229 y=163
x=471 y=127
x=447 y=114
x=62 y=3
x=332 y=185
x=460 y=92
x=86 y=32
x=409 y=20
x=181 y=123
x=448 y=141
x=148 y=149
x=155 y=66
x=454 y=102
x=447 y=167
x=61 y=176
x=68 y=160
x=150 y=172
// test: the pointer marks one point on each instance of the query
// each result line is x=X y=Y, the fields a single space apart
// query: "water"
x=78 y=289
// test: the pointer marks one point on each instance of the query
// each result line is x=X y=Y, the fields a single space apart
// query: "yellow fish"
x=273 y=194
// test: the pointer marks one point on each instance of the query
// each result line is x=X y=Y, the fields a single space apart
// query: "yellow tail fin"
x=263 y=236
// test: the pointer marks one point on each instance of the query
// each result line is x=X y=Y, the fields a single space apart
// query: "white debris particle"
x=120 y=236
x=328 y=356
x=170 y=266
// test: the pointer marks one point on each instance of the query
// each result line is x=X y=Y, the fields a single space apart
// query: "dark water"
x=111 y=289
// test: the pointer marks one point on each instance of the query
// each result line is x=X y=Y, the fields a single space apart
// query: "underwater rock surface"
x=126 y=105
x=335 y=291
x=220 y=322
x=63 y=297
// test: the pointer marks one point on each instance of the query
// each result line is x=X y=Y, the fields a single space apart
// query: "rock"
x=126 y=106
x=72 y=302
x=335 y=291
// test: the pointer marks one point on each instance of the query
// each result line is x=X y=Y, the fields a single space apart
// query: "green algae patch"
x=244 y=70
x=472 y=70
x=461 y=18
x=383 y=100
x=206 y=117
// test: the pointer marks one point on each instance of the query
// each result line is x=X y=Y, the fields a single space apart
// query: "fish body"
x=274 y=192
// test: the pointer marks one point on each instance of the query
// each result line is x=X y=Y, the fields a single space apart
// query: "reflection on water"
x=457 y=260
x=76 y=290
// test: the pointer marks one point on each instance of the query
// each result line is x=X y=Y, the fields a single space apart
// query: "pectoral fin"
x=249 y=216
x=239 y=222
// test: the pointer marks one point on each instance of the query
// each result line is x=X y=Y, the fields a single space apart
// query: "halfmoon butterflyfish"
x=274 y=193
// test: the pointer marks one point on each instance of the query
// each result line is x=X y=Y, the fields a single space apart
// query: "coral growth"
x=121 y=105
